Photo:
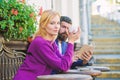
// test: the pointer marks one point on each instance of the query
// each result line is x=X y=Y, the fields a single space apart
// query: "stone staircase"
x=106 y=35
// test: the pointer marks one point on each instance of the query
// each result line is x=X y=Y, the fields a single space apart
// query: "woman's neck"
x=50 y=37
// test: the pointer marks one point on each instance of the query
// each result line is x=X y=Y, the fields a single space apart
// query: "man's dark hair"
x=66 y=19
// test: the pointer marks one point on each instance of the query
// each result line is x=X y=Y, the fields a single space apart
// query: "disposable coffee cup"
x=73 y=29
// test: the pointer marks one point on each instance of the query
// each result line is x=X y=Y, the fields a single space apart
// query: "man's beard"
x=62 y=36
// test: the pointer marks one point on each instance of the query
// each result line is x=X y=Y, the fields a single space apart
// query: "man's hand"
x=85 y=53
x=86 y=56
x=72 y=37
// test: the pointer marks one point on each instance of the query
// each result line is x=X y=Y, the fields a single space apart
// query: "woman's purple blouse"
x=42 y=57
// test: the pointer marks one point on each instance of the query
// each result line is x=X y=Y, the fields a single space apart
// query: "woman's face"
x=53 y=26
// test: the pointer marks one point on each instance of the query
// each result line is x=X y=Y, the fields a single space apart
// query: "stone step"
x=109 y=26
x=103 y=31
x=107 y=44
x=107 y=78
x=106 y=51
x=113 y=67
x=104 y=36
x=98 y=21
x=110 y=74
x=106 y=39
x=103 y=27
x=93 y=28
x=113 y=47
x=109 y=47
x=106 y=33
x=107 y=58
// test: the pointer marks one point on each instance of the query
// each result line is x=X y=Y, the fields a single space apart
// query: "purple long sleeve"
x=42 y=58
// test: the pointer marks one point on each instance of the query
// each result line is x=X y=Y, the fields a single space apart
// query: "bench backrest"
x=10 y=60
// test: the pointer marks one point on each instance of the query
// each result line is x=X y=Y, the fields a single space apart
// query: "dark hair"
x=66 y=19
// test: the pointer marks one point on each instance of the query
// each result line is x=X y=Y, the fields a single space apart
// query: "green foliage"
x=17 y=20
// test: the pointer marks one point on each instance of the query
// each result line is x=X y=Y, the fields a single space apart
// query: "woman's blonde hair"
x=46 y=16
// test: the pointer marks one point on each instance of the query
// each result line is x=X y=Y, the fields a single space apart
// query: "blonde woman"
x=43 y=56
